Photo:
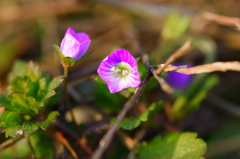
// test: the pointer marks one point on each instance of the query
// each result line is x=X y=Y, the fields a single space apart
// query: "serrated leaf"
x=173 y=146
x=8 y=118
x=19 y=68
x=32 y=72
x=55 y=82
x=84 y=56
x=22 y=104
x=56 y=47
x=30 y=127
x=100 y=80
x=4 y=102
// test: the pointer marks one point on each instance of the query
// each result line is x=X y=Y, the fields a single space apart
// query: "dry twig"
x=212 y=67
x=229 y=21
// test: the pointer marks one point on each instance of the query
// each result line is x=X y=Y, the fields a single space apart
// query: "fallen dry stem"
x=224 y=20
x=206 y=68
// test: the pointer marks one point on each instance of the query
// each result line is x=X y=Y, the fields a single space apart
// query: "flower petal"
x=74 y=44
x=116 y=82
x=82 y=37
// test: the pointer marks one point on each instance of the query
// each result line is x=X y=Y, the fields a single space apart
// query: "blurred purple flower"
x=74 y=44
x=120 y=71
x=178 y=80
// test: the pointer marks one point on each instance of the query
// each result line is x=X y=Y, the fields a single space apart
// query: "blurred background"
x=30 y=28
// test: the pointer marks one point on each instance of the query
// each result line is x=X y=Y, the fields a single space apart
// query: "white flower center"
x=122 y=69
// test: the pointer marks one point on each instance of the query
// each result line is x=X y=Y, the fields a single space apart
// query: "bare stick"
x=229 y=21
x=206 y=68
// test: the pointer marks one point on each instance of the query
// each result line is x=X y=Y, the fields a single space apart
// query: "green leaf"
x=22 y=104
x=56 y=47
x=28 y=128
x=100 y=80
x=51 y=117
x=173 y=146
x=175 y=26
x=42 y=144
x=8 y=118
x=19 y=68
x=188 y=102
x=84 y=56
x=129 y=124
x=55 y=82
x=4 y=102
x=32 y=72
x=137 y=59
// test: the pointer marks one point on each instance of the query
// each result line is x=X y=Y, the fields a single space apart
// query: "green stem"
x=69 y=107
x=31 y=148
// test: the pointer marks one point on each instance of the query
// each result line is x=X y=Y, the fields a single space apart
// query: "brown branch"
x=229 y=21
x=212 y=67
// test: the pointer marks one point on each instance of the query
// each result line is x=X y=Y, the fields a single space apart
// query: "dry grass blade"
x=213 y=67
x=229 y=21
x=180 y=52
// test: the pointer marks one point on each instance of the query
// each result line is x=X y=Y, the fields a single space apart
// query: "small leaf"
x=84 y=56
x=100 y=80
x=174 y=146
x=8 y=118
x=129 y=124
x=137 y=59
x=56 y=47
x=19 y=68
x=30 y=127
x=22 y=104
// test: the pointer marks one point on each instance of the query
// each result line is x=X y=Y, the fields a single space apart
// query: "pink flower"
x=120 y=71
x=74 y=44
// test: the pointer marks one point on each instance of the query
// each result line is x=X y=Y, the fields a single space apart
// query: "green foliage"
x=188 y=102
x=29 y=91
x=132 y=123
x=42 y=144
x=28 y=128
x=175 y=26
x=173 y=146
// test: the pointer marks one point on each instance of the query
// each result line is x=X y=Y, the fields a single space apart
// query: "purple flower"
x=120 y=71
x=178 y=80
x=74 y=44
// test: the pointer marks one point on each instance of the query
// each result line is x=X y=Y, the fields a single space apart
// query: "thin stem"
x=107 y=138
x=32 y=150
x=69 y=107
